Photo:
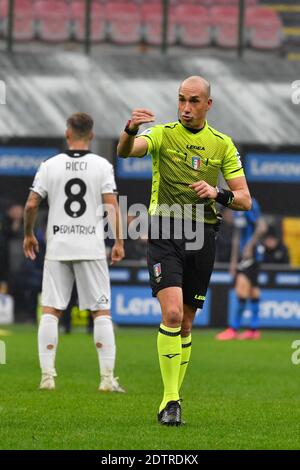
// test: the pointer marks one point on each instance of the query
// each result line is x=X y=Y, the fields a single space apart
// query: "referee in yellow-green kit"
x=187 y=156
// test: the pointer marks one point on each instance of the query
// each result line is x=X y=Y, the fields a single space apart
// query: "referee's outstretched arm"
x=129 y=145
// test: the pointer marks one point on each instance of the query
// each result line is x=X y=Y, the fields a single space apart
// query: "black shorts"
x=170 y=264
x=251 y=271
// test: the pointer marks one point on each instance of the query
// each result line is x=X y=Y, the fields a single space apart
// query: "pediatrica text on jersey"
x=74 y=229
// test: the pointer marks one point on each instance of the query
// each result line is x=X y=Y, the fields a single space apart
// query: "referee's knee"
x=172 y=316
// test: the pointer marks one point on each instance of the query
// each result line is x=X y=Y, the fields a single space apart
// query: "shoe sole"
x=172 y=424
x=181 y=423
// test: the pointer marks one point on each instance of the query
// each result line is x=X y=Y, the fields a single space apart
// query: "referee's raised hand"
x=130 y=145
x=141 y=116
x=30 y=246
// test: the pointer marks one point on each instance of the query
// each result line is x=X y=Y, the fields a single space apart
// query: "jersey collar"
x=193 y=131
x=77 y=153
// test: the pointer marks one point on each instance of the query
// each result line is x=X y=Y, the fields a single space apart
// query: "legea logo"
x=2 y=353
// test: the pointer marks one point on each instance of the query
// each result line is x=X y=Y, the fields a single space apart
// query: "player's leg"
x=242 y=291
x=198 y=268
x=104 y=339
x=254 y=297
x=165 y=265
x=58 y=280
x=169 y=352
x=92 y=280
x=254 y=306
x=253 y=332
x=189 y=312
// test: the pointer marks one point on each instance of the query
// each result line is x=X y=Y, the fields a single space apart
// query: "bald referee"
x=187 y=156
x=76 y=183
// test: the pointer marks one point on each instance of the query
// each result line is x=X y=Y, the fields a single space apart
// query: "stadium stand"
x=124 y=22
x=24 y=20
x=192 y=23
x=152 y=24
x=225 y=25
x=264 y=28
x=98 y=20
x=52 y=20
x=289 y=12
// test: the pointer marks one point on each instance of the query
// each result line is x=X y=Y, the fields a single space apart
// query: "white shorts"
x=92 y=282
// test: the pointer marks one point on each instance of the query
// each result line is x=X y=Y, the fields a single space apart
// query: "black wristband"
x=224 y=197
x=130 y=131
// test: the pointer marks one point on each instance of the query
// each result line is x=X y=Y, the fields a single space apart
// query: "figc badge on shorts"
x=157 y=272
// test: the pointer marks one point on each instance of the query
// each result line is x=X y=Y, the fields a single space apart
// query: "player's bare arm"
x=30 y=243
x=238 y=186
x=114 y=219
x=260 y=229
x=129 y=145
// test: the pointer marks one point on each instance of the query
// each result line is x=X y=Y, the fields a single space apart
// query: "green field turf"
x=237 y=395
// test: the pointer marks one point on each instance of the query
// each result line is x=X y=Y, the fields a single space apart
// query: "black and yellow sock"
x=169 y=354
x=186 y=345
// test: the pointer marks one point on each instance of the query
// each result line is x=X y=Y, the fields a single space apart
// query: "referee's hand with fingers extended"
x=140 y=116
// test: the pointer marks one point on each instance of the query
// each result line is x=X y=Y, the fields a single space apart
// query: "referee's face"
x=193 y=104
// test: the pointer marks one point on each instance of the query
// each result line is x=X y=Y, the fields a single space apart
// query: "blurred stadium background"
x=107 y=57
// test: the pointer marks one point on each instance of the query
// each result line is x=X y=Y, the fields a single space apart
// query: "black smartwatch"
x=130 y=131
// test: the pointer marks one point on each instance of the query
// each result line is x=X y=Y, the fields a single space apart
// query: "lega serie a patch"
x=196 y=161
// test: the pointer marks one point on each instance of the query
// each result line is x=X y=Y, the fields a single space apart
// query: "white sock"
x=47 y=340
x=104 y=339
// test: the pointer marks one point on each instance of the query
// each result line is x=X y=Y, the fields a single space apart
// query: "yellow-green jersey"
x=181 y=157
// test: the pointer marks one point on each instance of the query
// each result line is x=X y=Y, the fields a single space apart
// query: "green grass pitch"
x=237 y=395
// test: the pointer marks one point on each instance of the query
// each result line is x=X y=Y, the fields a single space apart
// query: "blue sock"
x=254 y=307
x=236 y=322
